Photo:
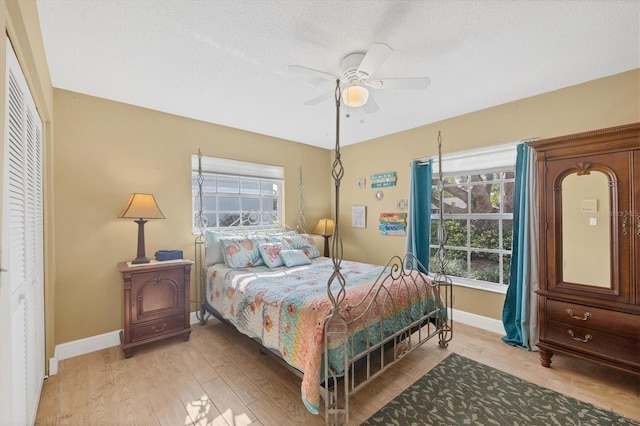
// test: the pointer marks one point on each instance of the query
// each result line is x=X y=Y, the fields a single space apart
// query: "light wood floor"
x=219 y=378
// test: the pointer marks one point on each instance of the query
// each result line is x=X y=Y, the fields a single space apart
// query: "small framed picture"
x=359 y=216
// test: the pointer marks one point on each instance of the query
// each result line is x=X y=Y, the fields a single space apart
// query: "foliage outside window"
x=253 y=199
x=478 y=219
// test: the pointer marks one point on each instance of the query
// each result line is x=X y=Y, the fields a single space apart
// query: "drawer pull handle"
x=585 y=317
x=587 y=337
x=158 y=330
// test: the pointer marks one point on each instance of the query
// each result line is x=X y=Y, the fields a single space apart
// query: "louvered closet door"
x=22 y=249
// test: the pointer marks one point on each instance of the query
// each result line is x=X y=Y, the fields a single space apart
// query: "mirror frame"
x=586 y=168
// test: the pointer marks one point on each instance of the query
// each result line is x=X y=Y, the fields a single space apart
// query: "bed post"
x=337 y=395
x=444 y=283
x=200 y=249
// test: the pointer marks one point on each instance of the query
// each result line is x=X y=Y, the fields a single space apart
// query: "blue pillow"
x=294 y=258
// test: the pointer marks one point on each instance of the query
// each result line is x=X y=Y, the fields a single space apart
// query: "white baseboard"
x=475 y=320
x=81 y=347
x=90 y=344
x=107 y=340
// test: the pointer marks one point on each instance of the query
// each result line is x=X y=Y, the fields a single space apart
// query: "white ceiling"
x=226 y=62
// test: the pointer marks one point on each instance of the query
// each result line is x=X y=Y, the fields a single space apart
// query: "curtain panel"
x=520 y=314
x=419 y=218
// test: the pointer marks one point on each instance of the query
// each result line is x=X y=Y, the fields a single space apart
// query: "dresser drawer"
x=593 y=342
x=157 y=328
x=576 y=315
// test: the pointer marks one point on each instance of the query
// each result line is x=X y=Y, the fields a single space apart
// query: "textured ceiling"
x=226 y=62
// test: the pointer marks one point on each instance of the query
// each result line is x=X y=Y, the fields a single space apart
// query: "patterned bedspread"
x=286 y=309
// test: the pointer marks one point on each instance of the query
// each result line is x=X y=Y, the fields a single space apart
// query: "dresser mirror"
x=586 y=229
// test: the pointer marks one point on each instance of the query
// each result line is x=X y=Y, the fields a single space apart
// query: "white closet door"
x=22 y=250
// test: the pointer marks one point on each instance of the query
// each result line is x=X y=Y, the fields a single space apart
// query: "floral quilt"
x=286 y=309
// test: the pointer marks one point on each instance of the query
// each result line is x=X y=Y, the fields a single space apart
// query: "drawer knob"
x=587 y=337
x=158 y=330
x=585 y=317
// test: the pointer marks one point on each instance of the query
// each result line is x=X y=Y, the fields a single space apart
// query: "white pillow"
x=213 y=249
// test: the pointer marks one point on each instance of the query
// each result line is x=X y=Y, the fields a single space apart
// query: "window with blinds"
x=235 y=193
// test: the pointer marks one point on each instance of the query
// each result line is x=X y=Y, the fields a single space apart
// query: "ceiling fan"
x=356 y=79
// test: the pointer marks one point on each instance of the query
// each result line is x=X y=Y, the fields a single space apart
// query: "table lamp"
x=141 y=206
x=324 y=228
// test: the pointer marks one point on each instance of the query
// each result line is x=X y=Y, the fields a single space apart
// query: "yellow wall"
x=19 y=20
x=597 y=104
x=106 y=150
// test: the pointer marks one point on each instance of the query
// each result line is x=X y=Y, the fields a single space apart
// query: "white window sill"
x=479 y=285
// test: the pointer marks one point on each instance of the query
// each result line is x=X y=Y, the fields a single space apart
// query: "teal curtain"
x=519 y=315
x=419 y=218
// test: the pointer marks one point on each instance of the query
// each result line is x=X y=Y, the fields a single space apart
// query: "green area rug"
x=459 y=391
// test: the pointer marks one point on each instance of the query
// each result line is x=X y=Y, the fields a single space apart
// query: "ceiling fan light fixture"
x=355 y=96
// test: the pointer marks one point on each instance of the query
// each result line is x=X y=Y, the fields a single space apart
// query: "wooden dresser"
x=155 y=302
x=589 y=297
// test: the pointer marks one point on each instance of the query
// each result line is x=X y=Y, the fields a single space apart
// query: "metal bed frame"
x=392 y=345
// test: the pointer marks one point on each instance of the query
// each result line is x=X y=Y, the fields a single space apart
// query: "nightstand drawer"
x=157 y=328
x=597 y=343
x=627 y=325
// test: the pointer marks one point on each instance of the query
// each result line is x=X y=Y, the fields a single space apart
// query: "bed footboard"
x=404 y=309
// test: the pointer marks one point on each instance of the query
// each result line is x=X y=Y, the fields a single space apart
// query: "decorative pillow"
x=214 y=247
x=270 y=254
x=242 y=252
x=294 y=258
x=302 y=242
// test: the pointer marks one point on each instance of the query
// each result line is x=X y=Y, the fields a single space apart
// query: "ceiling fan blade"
x=318 y=99
x=311 y=72
x=400 y=83
x=377 y=54
x=371 y=106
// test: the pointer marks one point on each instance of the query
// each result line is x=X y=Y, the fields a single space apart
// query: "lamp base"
x=326 y=245
x=140 y=256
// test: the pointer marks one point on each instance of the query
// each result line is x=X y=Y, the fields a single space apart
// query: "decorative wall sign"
x=393 y=224
x=380 y=180
x=359 y=216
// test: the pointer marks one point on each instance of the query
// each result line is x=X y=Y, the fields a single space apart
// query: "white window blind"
x=235 y=193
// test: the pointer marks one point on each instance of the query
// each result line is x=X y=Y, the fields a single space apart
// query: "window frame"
x=497 y=159
x=215 y=168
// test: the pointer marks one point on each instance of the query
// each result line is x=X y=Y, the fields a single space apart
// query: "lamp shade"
x=324 y=227
x=355 y=96
x=142 y=206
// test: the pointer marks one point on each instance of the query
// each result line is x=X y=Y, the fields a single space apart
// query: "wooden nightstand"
x=155 y=302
